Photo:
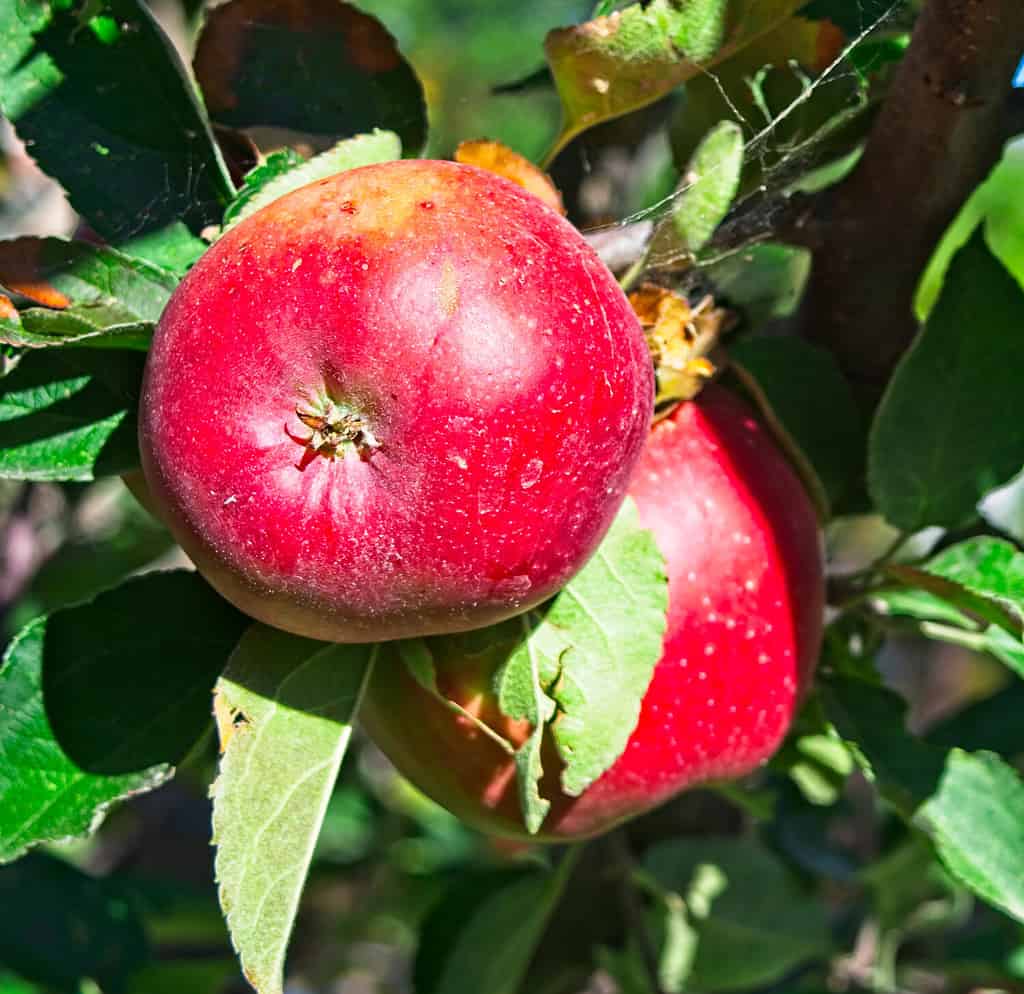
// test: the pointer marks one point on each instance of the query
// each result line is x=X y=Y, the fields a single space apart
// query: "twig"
x=632 y=909
x=936 y=138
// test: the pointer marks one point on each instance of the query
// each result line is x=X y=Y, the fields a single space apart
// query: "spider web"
x=787 y=150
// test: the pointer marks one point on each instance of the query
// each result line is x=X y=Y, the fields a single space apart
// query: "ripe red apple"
x=406 y=399
x=746 y=591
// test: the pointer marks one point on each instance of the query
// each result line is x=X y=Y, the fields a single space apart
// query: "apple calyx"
x=334 y=428
x=683 y=341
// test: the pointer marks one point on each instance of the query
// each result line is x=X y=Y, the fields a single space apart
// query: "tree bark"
x=937 y=136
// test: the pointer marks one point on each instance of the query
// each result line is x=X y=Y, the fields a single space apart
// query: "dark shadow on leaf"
x=111 y=387
x=59 y=926
x=127 y=678
x=120 y=131
x=317 y=67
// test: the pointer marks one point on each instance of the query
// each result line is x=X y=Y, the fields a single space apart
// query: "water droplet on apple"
x=513 y=586
x=531 y=474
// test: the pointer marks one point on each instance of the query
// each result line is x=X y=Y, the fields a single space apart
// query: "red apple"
x=746 y=598
x=406 y=399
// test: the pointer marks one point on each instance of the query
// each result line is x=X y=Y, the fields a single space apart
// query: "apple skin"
x=746 y=601
x=490 y=356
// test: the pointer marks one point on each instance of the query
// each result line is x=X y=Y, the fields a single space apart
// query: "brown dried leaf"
x=681 y=339
x=503 y=161
x=315 y=70
x=23 y=270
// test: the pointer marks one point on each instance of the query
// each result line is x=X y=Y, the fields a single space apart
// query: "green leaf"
x=966 y=584
x=947 y=430
x=807 y=399
x=992 y=724
x=997 y=205
x=173 y=248
x=764 y=281
x=618 y=63
x=285 y=707
x=989 y=567
x=98 y=701
x=319 y=67
x=739 y=897
x=70 y=414
x=903 y=879
x=483 y=932
x=286 y=171
x=922 y=605
x=201 y=976
x=872 y=721
x=977 y=821
x=60 y=927
x=273 y=167
x=42 y=328
x=12 y=985
x=704 y=196
x=92 y=296
x=591 y=653
x=98 y=93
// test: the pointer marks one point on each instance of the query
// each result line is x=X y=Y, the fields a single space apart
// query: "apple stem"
x=333 y=428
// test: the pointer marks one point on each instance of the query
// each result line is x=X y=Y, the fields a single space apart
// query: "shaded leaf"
x=284 y=710
x=286 y=171
x=627 y=59
x=739 y=896
x=96 y=296
x=763 y=281
x=992 y=724
x=59 y=927
x=483 y=932
x=901 y=880
x=977 y=820
x=872 y=721
x=70 y=414
x=98 y=701
x=947 y=430
x=319 y=67
x=134 y=160
x=806 y=396
x=851 y=17
x=590 y=652
x=202 y=976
